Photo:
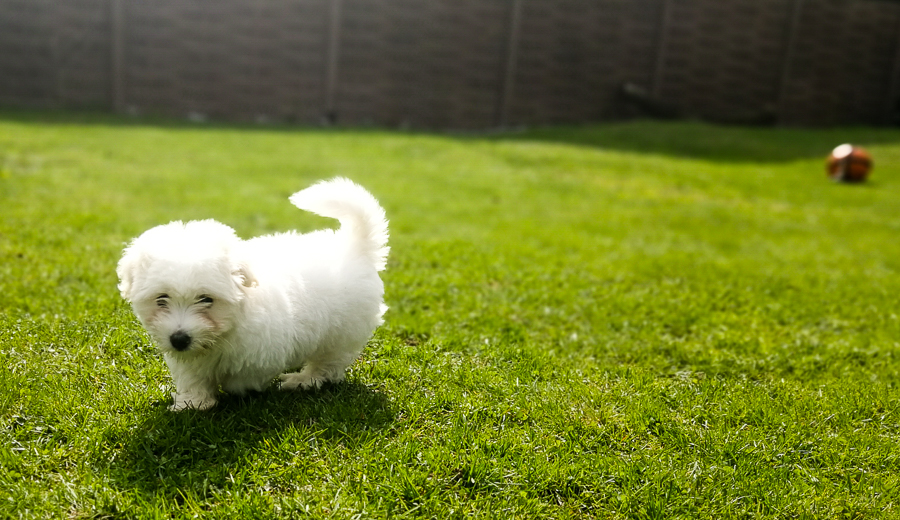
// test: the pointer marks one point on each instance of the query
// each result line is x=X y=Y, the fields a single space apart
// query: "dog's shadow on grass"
x=168 y=450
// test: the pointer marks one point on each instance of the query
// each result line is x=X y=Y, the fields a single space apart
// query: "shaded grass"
x=639 y=320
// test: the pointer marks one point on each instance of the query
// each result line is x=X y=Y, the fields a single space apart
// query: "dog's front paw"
x=186 y=401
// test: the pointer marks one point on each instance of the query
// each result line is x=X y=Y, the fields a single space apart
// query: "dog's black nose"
x=180 y=340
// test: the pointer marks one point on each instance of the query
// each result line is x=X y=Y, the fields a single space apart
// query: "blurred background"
x=457 y=64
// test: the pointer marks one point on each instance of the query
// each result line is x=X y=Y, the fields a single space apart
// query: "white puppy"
x=236 y=314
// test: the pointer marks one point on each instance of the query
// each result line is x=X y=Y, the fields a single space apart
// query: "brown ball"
x=848 y=163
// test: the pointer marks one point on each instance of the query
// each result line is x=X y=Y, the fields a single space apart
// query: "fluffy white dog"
x=236 y=314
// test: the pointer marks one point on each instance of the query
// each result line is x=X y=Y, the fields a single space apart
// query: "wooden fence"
x=466 y=64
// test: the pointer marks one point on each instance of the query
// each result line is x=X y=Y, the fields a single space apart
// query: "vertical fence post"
x=662 y=43
x=509 y=73
x=788 y=60
x=52 y=19
x=117 y=46
x=890 y=104
x=332 y=57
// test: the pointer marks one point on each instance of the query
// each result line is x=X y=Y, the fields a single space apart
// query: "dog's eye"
x=162 y=300
x=206 y=300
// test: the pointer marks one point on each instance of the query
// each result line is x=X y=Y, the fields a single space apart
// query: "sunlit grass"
x=637 y=320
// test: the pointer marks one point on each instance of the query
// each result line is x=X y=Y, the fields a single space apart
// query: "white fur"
x=277 y=302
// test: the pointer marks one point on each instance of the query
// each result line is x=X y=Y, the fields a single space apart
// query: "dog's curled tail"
x=357 y=210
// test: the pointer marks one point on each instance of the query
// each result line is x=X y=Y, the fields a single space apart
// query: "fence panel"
x=455 y=63
x=27 y=61
x=843 y=62
x=574 y=54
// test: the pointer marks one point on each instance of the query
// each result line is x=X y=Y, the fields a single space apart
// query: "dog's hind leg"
x=319 y=370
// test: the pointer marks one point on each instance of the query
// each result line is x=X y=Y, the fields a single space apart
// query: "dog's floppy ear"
x=126 y=270
x=243 y=276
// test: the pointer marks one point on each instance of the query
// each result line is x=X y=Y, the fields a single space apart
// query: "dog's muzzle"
x=180 y=340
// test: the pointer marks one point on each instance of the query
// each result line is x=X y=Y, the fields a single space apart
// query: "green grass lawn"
x=636 y=320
